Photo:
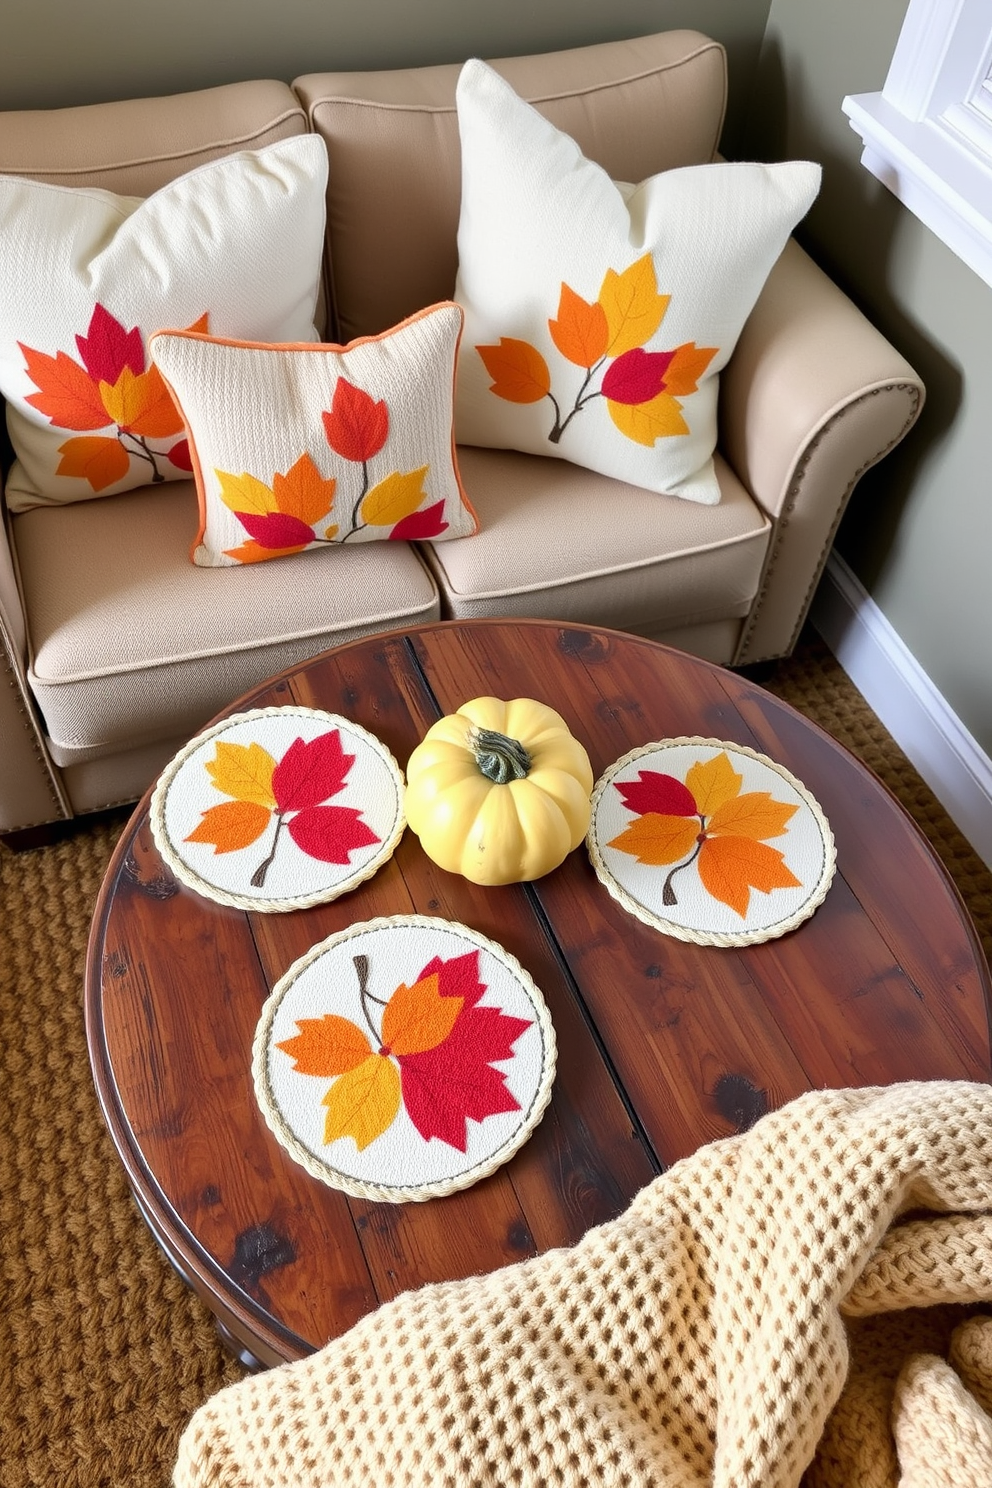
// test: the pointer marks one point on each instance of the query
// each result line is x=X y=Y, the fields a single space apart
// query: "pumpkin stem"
x=500 y=759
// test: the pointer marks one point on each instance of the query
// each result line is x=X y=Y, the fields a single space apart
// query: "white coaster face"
x=710 y=842
x=404 y=1058
x=279 y=808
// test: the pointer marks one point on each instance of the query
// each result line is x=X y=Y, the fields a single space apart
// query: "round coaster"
x=278 y=808
x=710 y=842
x=404 y=1058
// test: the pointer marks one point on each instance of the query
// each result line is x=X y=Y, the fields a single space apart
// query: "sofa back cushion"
x=635 y=107
x=134 y=147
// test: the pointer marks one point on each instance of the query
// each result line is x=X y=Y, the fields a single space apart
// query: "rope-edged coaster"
x=278 y=809
x=710 y=842
x=404 y=1058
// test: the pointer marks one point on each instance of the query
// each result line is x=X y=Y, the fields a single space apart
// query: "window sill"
x=933 y=172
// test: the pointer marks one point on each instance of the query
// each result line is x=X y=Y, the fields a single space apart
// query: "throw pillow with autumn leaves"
x=109 y=388
x=233 y=246
x=299 y=447
x=598 y=314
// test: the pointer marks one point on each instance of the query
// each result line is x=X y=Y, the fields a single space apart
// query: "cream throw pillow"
x=233 y=247
x=306 y=446
x=598 y=314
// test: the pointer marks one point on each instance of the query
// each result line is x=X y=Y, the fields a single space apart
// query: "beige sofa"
x=116 y=648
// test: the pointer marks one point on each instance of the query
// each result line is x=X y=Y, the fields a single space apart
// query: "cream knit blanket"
x=806 y=1297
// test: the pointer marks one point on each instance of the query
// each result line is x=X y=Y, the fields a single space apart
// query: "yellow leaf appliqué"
x=394 y=498
x=243 y=771
x=363 y=1102
x=646 y=423
x=713 y=782
x=245 y=493
x=634 y=308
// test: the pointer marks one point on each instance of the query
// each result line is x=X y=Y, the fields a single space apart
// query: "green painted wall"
x=56 y=52
x=918 y=533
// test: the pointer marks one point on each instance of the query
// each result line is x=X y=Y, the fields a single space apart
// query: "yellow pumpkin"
x=499 y=791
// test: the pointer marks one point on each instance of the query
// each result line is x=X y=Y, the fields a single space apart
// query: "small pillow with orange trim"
x=303 y=446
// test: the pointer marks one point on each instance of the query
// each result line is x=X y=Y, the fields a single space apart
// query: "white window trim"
x=928 y=134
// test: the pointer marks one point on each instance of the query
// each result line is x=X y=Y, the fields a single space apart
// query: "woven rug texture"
x=104 y=1352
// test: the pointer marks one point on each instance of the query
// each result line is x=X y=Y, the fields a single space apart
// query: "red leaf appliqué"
x=330 y=833
x=420 y=524
x=655 y=792
x=276 y=529
x=180 y=456
x=446 y=1086
x=637 y=376
x=457 y=977
x=107 y=348
x=357 y=425
x=309 y=774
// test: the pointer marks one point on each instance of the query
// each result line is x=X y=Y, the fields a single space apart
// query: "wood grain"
x=662 y=1045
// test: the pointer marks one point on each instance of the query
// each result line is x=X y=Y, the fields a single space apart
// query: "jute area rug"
x=104 y=1353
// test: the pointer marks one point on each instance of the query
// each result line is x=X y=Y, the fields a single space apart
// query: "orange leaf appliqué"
x=730 y=867
x=581 y=331
x=97 y=458
x=418 y=1018
x=519 y=372
x=303 y=492
x=687 y=366
x=658 y=840
x=755 y=815
x=357 y=425
x=231 y=825
x=253 y=552
x=67 y=395
x=330 y=1045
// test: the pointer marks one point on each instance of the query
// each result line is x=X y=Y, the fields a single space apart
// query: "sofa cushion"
x=598 y=315
x=635 y=107
x=295 y=447
x=234 y=247
x=563 y=543
x=128 y=641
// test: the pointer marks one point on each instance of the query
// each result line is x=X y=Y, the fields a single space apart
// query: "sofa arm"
x=812 y=397
x=30 y=788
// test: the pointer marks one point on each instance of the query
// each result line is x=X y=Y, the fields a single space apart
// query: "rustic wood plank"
x=662 y=1044
x=182 y=988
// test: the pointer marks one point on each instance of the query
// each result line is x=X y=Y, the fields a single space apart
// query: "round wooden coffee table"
x=662 y=1044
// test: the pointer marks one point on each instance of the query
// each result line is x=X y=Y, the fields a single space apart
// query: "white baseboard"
x=896 y=687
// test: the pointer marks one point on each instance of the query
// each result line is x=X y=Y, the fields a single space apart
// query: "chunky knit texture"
x=809 y=1292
